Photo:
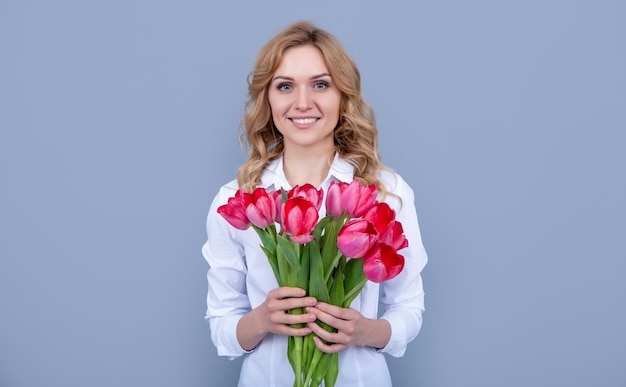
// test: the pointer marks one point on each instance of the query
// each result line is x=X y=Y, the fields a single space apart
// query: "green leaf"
x=272 y=259
x=288 y=251
x=354 y=280
x=284 y=270
x=317 y=285
x=320 y=226
x=303 y=275
x=333 y=371
x=322 y=368
x=329 y=247
x=268 y=238
x=337 y=292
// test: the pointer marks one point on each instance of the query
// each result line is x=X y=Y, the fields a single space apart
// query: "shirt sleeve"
x=227 y=299
x=403 y=296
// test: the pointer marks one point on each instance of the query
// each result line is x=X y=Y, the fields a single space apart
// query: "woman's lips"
x=304 y=123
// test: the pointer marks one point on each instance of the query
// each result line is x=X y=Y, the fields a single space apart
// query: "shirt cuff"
x=224 y=332
x=397 y=341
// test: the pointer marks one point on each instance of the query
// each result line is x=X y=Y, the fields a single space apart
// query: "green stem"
x=336 y=259
x=298 y=360
x=314 y=361
x=352 y=294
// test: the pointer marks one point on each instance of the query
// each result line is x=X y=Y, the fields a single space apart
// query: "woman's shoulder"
x=226 y=191
x=398 y=190
x=392 y=181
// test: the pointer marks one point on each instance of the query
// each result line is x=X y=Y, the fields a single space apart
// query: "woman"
x=306 y=122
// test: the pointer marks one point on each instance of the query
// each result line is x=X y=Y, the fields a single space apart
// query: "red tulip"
x=261 y=210
x=308 y=192
x=381 y=215
x=235 y=210
x=356 y=237
x=352 y=199
x=394 y=236
x=299 y=217
x=382 y=263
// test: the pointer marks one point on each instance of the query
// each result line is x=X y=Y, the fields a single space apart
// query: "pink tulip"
x=352 y=199
x=278 y=199
x=333 y=198
x=299 y=217
x=381 y=215
x=394 y=236
x=356 y=237
x=235 y=210
x=308 y=192
x=382 y=263
x=261 y=210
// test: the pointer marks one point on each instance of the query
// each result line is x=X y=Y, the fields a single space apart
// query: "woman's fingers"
x=281 y=317
x=337 y=317
x=285 y=292
x=328 y=348
x=350 y=325
x=285 y=310
x=291 y=331
x=286 y=298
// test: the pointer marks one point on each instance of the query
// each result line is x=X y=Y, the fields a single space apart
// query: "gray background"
x=118 y=124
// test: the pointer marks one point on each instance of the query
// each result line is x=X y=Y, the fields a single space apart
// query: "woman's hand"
x=272 y=317
x=352 y=328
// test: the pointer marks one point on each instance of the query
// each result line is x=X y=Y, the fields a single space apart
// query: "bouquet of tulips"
x=331 y=259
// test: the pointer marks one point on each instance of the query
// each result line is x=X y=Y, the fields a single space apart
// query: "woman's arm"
x=272 y=317
x=235 y=326
x=403 y=296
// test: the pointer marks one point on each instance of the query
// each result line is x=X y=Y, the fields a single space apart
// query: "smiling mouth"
x=304 y=121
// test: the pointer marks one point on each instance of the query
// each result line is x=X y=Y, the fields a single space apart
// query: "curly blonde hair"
x=356 y=136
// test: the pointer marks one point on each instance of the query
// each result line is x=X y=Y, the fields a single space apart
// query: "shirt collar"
x=274 y=175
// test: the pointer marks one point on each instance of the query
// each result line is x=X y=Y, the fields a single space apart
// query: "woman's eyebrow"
x=286 y=78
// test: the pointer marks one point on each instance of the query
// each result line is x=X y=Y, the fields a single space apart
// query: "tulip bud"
x=277 y=196
x=308 y=192
x=394 y=236
x=382 y=263
x=356 y=237
x=381 y=215
x=352 y=199
x=262 y=208
x=358 y=199
x=333 y=199
x=299 y=217
x=235 y=210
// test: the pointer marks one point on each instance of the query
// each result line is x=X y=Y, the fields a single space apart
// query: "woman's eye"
x=321 y=85
x=284 y=87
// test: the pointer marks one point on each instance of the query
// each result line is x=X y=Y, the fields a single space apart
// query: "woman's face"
x=304 y=100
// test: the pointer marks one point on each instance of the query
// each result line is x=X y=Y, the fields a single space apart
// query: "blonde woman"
x=306 y=122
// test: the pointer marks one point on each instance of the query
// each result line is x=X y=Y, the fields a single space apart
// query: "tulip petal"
x=382 y=263
x=356 y=237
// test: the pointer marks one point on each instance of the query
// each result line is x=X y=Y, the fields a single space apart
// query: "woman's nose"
x=304 y=101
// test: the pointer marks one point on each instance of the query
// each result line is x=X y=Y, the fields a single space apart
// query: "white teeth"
x=304 y=121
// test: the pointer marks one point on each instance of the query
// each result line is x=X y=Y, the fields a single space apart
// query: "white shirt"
x=240 y=277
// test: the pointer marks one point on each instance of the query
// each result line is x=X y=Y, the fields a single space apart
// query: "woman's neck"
x=307 y=167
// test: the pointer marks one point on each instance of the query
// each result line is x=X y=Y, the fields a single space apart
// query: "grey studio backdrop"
x=118 y=124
